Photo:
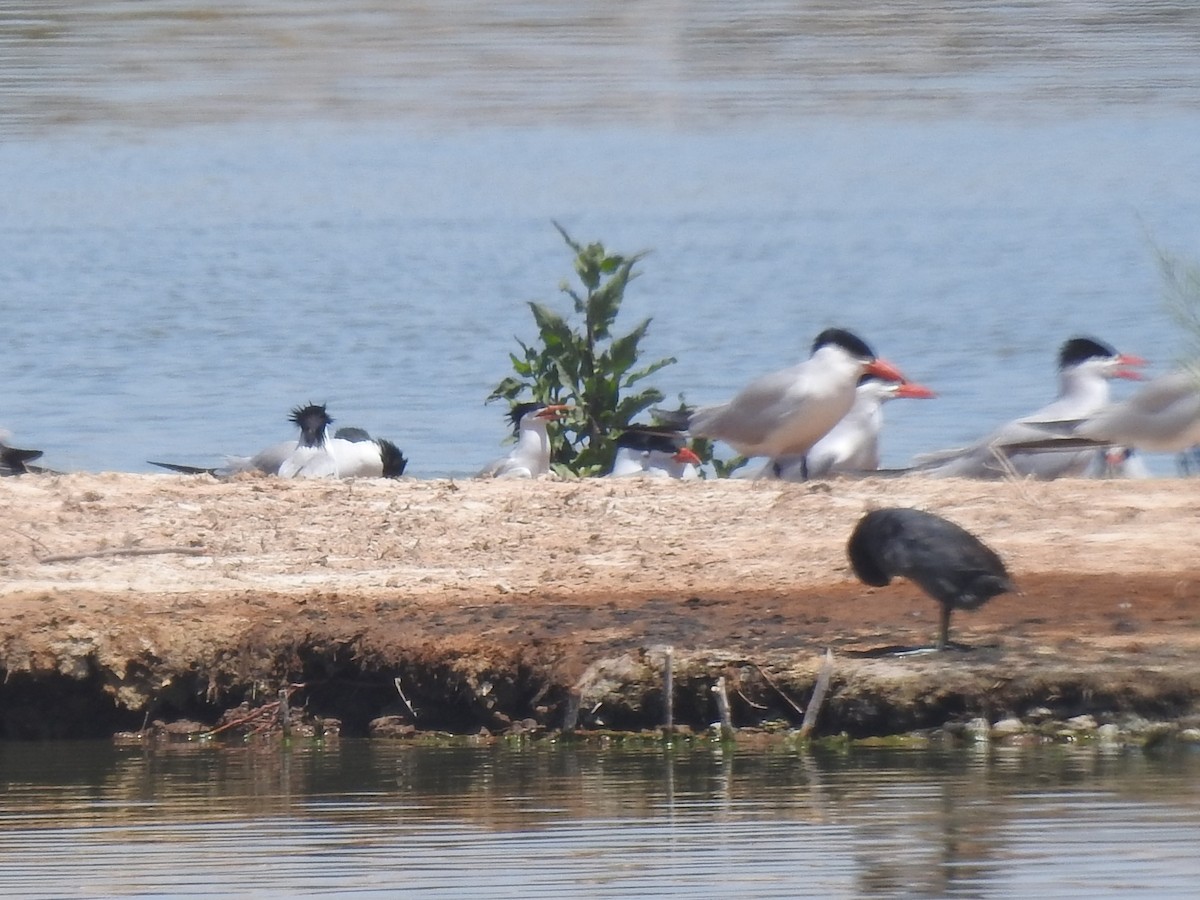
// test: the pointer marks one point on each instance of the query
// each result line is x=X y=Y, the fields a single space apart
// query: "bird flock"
x=818 y=418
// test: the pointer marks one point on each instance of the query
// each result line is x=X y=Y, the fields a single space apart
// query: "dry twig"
x=818 y=695
x=124 y=551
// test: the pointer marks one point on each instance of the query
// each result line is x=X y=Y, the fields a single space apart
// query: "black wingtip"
x=393 y=460
x=186 y=470
x=13 y=459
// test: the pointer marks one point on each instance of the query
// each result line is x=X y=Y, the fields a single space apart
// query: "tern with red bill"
x=786 y=412
x=1162 y=417
x=656 y=453
x=1085 y=368
x=531 y=456
x=852 y=447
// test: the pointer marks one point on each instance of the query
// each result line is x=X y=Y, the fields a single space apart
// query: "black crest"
x=520 y=411
x=312 y=420
x=851 y=343
x=1081 y=349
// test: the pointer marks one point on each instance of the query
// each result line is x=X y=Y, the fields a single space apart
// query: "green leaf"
x=581 y=364
x=637 y=376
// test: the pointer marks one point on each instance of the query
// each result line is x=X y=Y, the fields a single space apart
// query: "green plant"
x=586 y=365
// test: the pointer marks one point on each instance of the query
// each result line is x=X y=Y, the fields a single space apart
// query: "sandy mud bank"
x=128 y=599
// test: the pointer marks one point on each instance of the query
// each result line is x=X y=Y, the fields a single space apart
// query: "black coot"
x=948 y=562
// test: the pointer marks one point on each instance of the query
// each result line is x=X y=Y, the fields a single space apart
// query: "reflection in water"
x=372 y=816
x=530 y=61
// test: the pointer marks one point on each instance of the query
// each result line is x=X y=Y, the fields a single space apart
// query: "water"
x=213 y=214
x=371 y=819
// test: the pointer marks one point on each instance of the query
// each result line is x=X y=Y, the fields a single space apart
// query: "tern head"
x=1086 y=351
x=312 y=420
x=856 y=348
x=531 y=412
x=840 y=337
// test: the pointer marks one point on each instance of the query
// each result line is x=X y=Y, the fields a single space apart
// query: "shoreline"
x=130 y=599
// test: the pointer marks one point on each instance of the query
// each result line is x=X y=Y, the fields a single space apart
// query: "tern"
x=318 y=455
x=946 y=561
x=531 y=456
x=1162 y=417
x=313 y=422
x=1085 y=368
x=654 y=452
x=852 y=447
x=786 y=412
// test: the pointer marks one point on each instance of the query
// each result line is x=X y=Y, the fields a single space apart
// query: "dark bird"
x=945 y=560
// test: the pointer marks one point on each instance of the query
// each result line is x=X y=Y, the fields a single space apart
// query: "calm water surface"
x=214 y=213
x=376 y=818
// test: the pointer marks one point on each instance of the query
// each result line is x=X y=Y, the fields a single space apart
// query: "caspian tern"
x=271 y=459
x=1162 y=417
x=654 y=452
x=320 y=456
x=946 y=561
x=1085 y=367
x=531 y=456
x=852 y=447
x=786 y=412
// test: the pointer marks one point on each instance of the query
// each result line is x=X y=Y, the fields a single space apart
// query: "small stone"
x=1081 y=723
x=1007 y=728
x=1108 y=733
x=1190 y=735
x=1136 y=724
x=1039 y=714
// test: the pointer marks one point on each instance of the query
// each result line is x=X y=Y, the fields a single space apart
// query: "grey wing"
x=751 y=415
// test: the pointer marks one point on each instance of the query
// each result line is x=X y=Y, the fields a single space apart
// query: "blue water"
x=380 y=819
x=197 y=238
x=178 y=295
